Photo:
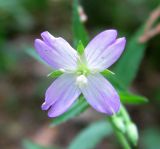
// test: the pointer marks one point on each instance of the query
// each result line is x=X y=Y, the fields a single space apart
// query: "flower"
x=81 y=73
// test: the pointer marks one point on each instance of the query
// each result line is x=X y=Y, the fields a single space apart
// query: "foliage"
x=150 y=138
x=27 y=144
x=127 y=66
x=79 y=32
x=91 y=135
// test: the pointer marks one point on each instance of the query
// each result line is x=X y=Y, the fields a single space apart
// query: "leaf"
x=80 y=48
x=27 y=144
x=127 y=66
x=76 y=109
x=91 y=136
x=130 y=98
x=79 y=32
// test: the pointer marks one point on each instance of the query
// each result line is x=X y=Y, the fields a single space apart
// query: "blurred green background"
x=23 y=79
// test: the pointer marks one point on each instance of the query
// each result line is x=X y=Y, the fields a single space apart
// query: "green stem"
x=125 y=114
x=122 y=140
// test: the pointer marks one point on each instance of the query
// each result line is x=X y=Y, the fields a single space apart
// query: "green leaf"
x=27 y=144
x=130 y=98
x=79 y=106
x=80 y=48
x=55 y=74
x=127 y=66
x=79 y=32
x=91 y=136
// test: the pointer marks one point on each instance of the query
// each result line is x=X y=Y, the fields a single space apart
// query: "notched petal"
x=101 y=95
x=60 y=95
x=56 y=52
x=99 y=43
x=110 y=55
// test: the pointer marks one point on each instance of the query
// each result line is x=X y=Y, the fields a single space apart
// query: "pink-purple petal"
x=61 y=46
x=60 y=95
x=99 y=43
x=45 y=53
x=64 y=102
x=110 y=55
x=57 y=89
x=56 y=52
x=101 y=95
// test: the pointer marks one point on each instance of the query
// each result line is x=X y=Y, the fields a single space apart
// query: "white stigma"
x=81 y=80
x=62 y=70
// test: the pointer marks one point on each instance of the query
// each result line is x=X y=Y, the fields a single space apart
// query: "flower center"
x=82 y=73
x=82 y=69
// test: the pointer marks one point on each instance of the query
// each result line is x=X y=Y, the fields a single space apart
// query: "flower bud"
x=119 y=123
x=132 y=133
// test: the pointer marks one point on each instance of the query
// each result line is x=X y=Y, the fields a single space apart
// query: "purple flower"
x=81 y=73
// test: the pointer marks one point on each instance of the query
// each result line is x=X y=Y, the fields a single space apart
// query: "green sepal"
x=80 y=47
x=55 y=74
x=107 y=72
